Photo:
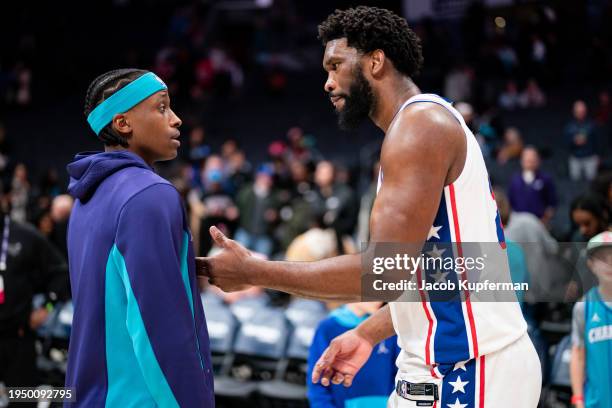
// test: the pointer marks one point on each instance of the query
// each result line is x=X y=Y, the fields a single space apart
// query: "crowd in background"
x=297 y=201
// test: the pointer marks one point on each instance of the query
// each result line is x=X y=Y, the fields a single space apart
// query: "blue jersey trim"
x=185 y=276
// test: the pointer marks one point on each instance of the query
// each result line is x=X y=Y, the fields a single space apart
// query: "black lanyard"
x=5 y=243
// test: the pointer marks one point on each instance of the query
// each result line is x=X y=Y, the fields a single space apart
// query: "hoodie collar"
x=89 y=169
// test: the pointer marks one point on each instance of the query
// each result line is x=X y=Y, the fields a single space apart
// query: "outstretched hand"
x=341 y=361
x=228 y=270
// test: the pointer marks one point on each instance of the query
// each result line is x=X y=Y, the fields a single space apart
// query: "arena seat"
x=260 y=345
x=558 y=392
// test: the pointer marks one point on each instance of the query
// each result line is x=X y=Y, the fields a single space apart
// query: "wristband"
x=577 y=398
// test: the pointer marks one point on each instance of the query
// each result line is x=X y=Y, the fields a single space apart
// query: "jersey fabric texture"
x=139 y=335
x=440 y=334
x=598 y=349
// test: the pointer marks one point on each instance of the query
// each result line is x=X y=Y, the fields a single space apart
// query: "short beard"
x=358 y=103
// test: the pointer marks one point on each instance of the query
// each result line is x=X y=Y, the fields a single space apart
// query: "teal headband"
x=124 y=99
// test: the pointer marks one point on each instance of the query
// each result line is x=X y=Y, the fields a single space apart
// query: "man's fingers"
x=338 y=378
x=348 y=380
x=220 y=239
x=326 y=377
x=317 y=371
x=323 y=365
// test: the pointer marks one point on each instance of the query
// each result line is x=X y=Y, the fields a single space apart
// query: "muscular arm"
x=377 y=327
x=423 y=150
x=418 y=157
x=335 y=278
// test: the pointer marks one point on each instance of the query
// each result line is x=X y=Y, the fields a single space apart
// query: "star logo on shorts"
x=457 y=404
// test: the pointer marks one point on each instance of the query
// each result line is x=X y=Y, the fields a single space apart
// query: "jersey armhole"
x=466 y=168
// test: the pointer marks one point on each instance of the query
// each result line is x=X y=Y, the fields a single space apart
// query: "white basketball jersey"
x=443 y=333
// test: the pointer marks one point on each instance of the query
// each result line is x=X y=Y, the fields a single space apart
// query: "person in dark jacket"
x=29 y=265
x=258 y=212
x=139 y=335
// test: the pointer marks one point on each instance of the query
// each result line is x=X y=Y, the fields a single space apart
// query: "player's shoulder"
x=423 y=130
x=424 y=120
x=429 y=113
x=152 y=194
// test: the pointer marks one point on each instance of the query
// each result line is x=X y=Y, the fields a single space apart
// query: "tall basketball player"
x=433 y=187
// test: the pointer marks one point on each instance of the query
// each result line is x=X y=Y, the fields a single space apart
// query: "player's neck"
x=606 y=292
x=390 y=99
x=127 y=149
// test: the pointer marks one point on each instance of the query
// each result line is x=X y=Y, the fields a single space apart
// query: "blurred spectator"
x=512 y=146
x=519 y=273
x=602 y=185
x=527 y=231
x=301 y=206
x=458 y=84
x=29 y=265
x=20 y=193
x=238 y=170
x=217 y=72
x=590 y=371
x=45 y=225
x=508 y=58
x=467 y=112
x=532 y=190
x=4 y=149
x=218 y=207
x=509 y=98
x=591 y=214
x=24 y=81
x=365 y=207
x=603 y=114
x=198 y=149
x=298 y=149
x=258 y=208
x=374 y=382
x=318 y=243
x=603 y=118
x=314 y=244
x=581 y=138
x=532 y=96
x=49 y=184
x=336 y=201
x=61 y=207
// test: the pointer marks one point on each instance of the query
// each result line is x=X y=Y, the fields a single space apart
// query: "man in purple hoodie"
x=139 y=335
x=532 y=190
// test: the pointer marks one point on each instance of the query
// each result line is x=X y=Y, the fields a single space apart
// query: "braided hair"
x=103 y=87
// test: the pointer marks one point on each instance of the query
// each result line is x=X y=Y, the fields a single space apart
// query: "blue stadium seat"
x=222 y=327
x=260 y=345
x=560 y=370
x=288 y=388
x=558 y=392
x=245 y=309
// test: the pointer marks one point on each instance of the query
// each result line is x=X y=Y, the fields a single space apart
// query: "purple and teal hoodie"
x=139 y=336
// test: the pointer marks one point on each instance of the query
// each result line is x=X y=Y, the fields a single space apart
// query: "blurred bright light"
x=500 y=22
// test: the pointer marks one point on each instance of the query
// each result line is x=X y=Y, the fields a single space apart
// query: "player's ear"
x=377 y=62
x=121 y=124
